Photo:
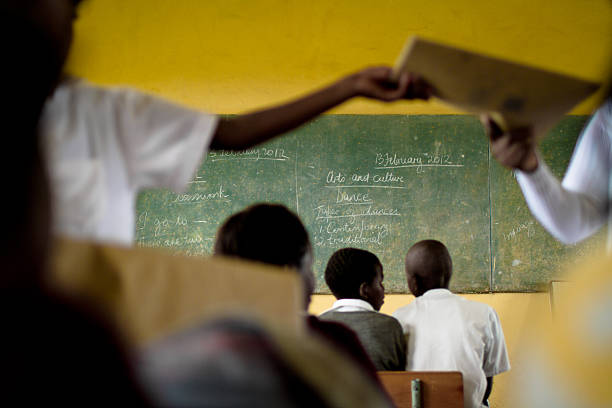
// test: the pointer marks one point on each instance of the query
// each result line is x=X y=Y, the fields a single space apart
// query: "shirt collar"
x=437 y=293
x=352 y=305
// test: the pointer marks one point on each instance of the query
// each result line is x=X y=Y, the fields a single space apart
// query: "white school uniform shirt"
x=577 y=207
x=449 y=333
x=103 y=145
x=350 y=305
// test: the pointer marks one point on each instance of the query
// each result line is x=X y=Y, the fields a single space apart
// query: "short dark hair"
x=347 y=269
x=267 y=233
x=271 y=234
x=428 y=266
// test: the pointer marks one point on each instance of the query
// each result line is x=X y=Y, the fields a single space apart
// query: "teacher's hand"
x=377 y=83
x=514 y=149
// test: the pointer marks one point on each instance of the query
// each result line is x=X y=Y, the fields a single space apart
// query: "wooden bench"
x=438 y=389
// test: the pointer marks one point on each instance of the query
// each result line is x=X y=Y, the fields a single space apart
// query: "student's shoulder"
x=77 y=95
x=405 y=312
x=329 y=315
x=478 y=305
x=318 y=322
x=385 y=318
x=376 y=320
x=78 y=88
x=603 y=117
x=390 y=323
x=364 y=315
x=606 y=107
x=478 y=308
x=76 y=85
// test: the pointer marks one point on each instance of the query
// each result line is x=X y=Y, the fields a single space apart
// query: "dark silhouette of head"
x=353 y=273
x=271 y=234
x=428 y=266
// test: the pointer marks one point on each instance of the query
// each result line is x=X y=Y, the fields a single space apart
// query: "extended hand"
x=243 y=131
x=514 y=149
x=376 y=83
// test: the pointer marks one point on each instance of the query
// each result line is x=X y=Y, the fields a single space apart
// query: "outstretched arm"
x=577 y=207
x=250 y=129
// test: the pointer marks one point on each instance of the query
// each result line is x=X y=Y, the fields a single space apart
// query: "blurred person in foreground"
x=577 y=207
x=54 y=349
x=104 y=144
x=566 y=360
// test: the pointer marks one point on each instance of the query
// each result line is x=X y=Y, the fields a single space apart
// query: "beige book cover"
x=150 y=293
x=514 y=94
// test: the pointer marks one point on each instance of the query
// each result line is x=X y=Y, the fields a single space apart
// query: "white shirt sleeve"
x=577 y=207
x=496 y=356
x=164 y=143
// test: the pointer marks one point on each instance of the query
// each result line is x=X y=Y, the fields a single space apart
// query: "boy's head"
x=271 y=234
x=353 y=273
x=428 y=266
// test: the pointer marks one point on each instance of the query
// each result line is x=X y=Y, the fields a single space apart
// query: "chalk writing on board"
x=394 y=161
x=363 y=186
x=196 y=241
x=345 y=198
x=164 y=223
x=337 y=177
x=141 y=221
x=358 y=214
x=526 y=227
x=262 y=153
x=198 y=197
x=327 y=212
x=342 y=233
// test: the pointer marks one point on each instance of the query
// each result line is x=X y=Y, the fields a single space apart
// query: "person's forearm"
x=568 y=215
x=250 y=129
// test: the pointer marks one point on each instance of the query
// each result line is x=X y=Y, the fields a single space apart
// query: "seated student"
x=272 y=234
x=355 y=278
x=447 y=332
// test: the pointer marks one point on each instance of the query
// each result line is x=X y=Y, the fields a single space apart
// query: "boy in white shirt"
x=446 y=331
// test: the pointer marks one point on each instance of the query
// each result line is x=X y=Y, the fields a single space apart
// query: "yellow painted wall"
x=229 y=56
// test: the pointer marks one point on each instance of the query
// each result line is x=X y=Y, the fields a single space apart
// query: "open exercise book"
x=515 y=95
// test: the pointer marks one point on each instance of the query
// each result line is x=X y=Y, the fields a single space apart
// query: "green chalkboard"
x=380 y=183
